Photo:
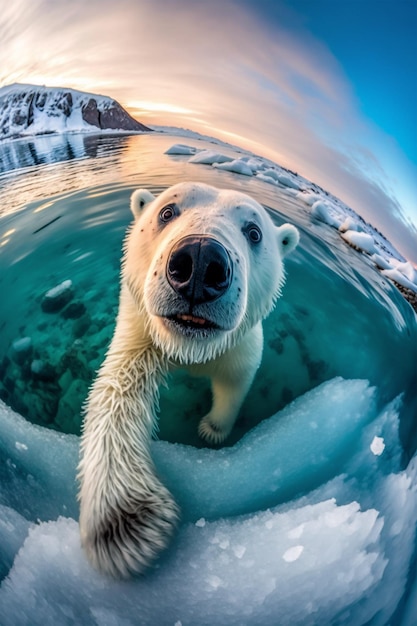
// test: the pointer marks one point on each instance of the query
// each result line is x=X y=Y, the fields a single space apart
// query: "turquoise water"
x=296 y=505
x=67 y=220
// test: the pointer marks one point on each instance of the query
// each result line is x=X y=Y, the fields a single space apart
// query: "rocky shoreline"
x=409 y=295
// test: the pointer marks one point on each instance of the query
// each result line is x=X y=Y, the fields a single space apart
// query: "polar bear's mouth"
x=186 y=321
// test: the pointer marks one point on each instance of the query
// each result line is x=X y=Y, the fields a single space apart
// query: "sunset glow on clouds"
x=223 y=69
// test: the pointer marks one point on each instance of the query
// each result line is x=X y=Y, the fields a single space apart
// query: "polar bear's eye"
x=168 y=212
x=253 y=233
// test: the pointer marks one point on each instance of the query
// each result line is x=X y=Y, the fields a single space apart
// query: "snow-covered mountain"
x=35 y=110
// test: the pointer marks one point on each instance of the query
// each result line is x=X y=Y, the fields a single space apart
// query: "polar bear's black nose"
x=199 y=269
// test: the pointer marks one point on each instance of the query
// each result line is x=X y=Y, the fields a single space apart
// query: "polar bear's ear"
x=288 y=238
x=138 y=201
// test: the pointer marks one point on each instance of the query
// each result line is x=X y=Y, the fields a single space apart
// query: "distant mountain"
x=35 y=110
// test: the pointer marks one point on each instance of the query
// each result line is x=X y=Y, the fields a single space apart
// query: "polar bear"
x=202 y=268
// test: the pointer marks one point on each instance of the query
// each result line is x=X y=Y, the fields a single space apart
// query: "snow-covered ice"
x=363 y=241
x=398 y=277
x=323 y=212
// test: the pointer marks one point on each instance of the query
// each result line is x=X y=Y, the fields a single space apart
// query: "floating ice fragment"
x=201 y=522
x=377 y=446
x=266 y=179
x=208 y=157
x=271 y=173
x=350 y=224
x=237 y=166
x=292 y=554
x=180 y=148
x=381 y=262
x=408 y=271
x=288 y=182
x=360 y=240
x=399 y=278
x=323 y=212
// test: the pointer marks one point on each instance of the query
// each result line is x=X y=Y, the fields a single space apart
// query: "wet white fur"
x=126 y=515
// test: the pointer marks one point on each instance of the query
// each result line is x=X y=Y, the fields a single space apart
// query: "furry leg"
x=231 y=377
x=126 y=515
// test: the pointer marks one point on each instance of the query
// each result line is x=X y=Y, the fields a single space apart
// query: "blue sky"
x=325 y=87
x=375 y=42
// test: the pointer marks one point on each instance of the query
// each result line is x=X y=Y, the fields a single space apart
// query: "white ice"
x=59 y=289
x=363 y=241
x=381 y=262
x=323 y=211
x=238 y=166
x=338 y=554
x=180 y=148
x=209 y=157
x=350 y=224
x=406 y=270
x=399 y=278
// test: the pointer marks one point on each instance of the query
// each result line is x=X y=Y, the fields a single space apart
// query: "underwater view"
x=308 y=514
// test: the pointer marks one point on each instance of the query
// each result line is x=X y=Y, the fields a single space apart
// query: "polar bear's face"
x=205 y=265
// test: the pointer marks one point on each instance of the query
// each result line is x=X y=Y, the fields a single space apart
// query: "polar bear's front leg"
x=126 y=514
x=231 y=376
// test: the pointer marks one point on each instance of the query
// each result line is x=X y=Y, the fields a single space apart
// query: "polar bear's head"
x=204 y=266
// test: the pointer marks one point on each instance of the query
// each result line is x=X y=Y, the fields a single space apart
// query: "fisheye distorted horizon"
x=328 y=89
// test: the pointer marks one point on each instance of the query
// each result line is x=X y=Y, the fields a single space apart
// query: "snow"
x=363 y=241
x=28 y=110
x=340 y=553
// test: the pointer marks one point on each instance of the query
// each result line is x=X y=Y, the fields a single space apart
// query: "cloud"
x=219 y=68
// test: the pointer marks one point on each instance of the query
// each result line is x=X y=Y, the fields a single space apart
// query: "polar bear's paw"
x=213 y=432
x=129 y=537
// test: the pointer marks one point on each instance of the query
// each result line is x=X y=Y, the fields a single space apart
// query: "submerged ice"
x=325 y=533
x=310 y=515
